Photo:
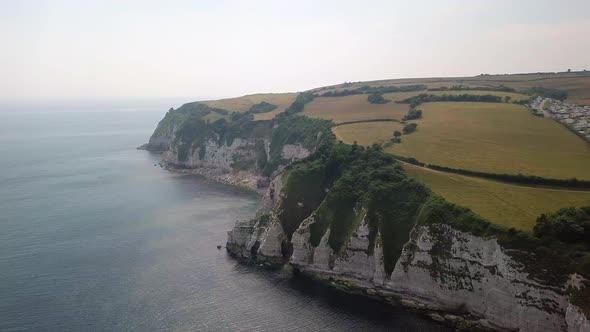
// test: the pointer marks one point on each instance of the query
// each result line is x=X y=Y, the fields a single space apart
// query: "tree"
x=507 y=99
x=377 y=98
x=396 y=134
x=410 y=128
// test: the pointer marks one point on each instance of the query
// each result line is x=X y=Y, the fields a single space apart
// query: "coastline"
x=236 y=180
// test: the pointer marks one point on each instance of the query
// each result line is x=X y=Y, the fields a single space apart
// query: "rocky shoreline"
x=239 y=180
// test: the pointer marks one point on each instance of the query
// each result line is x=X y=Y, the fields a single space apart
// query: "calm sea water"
x=93 y=236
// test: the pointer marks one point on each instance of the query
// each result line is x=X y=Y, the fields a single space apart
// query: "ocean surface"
x=94 y=237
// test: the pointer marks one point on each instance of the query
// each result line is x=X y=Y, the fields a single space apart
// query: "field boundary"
x=515 y=179
x=366 y=121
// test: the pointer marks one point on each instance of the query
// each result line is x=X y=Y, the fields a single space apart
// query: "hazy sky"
x=226 y=48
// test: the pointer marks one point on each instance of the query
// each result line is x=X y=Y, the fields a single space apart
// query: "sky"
x=213 y=49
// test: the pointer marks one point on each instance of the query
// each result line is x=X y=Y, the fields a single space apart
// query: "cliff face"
x=469 y=280
x=261 y=238
x=232 y=147
x=457 y=276
x=445 y=270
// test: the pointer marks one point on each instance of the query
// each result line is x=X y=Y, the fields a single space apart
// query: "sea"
x=95 y=236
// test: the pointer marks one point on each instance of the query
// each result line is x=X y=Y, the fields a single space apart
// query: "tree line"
x=374 y=90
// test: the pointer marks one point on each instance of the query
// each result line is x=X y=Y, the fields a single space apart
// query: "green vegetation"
x=262 y=107
x=264 y=220
x=518 y=178
x=362 y=182
x=304 y=192
x=569 y=225
x=409 y=128
x=461 y=87
x=377 y=98
x=298 y=105
x=374 y=90
x=195 y=131
x=178 y=117
x=244 y=103
x=548 y=93
x=194 y=128
x=311 y=133
x=413 y=114
x=513 y=97
x=429 y=98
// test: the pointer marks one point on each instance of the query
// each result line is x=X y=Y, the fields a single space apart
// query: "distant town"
x=575 y=117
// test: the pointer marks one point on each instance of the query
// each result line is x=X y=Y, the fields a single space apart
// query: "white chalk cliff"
x=463 y=279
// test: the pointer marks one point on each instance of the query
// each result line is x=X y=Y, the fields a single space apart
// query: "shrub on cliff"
x=569 y=225
x=310 y=133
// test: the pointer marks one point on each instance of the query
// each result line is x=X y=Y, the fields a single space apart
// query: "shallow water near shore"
x=94 y=236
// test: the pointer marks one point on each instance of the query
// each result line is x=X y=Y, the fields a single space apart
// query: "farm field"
x=353 y=108
x=495 y=138
x=577 y=84
x=242 y=104
x=366 y=133
x=577 y=87
x=503 y=204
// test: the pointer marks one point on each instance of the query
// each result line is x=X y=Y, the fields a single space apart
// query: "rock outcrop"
x=466 y=280
x=233 y=149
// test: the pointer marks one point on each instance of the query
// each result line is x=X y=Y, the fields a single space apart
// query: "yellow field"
x=495 y=138
x=242 y=104
x=366 y=133
x=503 y=204
x=353 y=108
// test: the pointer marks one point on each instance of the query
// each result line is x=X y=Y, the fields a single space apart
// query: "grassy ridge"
x=577 y=84
x=244 y=103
